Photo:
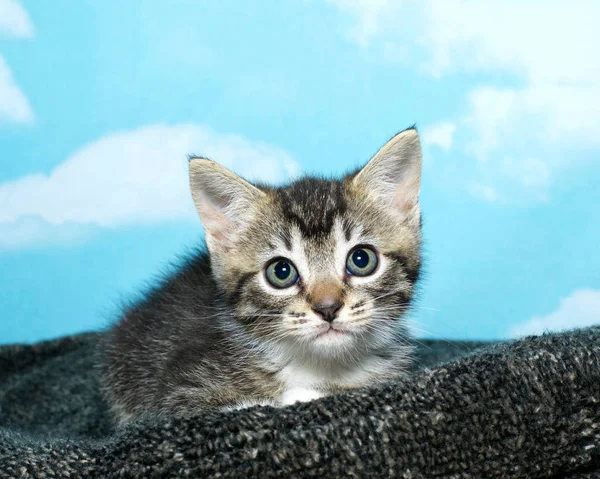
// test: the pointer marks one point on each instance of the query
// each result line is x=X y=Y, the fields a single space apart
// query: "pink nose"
x=328 y=311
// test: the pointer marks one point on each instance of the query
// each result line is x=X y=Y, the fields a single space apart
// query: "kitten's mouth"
x=331 y=332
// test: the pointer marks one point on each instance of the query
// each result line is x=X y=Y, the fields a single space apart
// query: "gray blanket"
x=524 y=409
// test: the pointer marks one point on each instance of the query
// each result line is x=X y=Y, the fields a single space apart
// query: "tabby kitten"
x=300 y=294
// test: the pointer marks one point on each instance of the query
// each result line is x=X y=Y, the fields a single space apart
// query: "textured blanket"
x=523 y=409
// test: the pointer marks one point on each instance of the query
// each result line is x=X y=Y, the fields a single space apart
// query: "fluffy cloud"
x=545 y=41
x=368 y=12
x=579 y=310
x=14 y=21
x=389 y=20
x=440 y=134
x=548 y=42
x=549 y=47
x=137 y=176
x=31 y=231
x=484 y=192
x=556 y=115
x=14 y=106
x=530 y=172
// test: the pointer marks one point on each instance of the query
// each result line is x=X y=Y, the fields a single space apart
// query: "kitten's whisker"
x=439 y=338
x=392 y=308
x=425 y=308
x=384 y=295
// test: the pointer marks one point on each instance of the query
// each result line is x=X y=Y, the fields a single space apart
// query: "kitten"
x=301 y=293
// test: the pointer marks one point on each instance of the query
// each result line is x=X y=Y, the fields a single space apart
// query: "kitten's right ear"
x=393 y=175
x=223 y=200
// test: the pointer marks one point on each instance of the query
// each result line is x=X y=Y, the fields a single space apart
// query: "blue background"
x=101 y=101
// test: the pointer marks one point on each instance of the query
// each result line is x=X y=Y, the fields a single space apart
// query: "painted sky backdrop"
x=100 y=102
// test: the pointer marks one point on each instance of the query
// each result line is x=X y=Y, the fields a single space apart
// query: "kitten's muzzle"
x=328 y=311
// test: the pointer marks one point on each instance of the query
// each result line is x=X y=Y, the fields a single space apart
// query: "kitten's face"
x=322 y=266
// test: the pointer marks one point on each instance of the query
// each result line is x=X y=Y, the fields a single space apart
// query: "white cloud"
x=32 y=230
x=484 y=192
x=579 y=310
x=504 y=179
x=440 y=134
x=369 y=13
x=488 y=109
x=548 y=49
x=547 y=42
x=14 y=21
x=530 y=172
x=557 y=115
x=138 y=176
x=14 y=106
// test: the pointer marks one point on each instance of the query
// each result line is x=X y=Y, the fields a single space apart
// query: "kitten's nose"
x=328 y=311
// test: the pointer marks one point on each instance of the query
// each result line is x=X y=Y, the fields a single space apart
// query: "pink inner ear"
x=405 y=197
x=408 y=206
x=217 y=225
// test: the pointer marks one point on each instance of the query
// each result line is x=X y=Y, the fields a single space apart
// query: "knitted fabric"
x=529 y=408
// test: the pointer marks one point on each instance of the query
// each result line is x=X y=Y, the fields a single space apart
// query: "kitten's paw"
x=299 y=395
x=248 y=403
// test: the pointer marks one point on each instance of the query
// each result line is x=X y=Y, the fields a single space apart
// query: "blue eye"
x=361 y=261
x=282 y=273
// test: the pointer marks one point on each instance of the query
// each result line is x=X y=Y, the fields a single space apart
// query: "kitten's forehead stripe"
x=287 y=241
x=347 y=229
x=313 y=204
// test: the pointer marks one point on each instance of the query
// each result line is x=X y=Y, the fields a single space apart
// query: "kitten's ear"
x=393 y=175
x=224 y=201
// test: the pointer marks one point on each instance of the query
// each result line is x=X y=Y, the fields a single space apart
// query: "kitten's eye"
x=361 y=261
x=282 y=273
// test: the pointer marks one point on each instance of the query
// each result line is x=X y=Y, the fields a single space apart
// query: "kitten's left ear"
x=393 y=175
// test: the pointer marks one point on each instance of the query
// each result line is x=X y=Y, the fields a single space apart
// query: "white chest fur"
x=308 y=380
x=305 y=381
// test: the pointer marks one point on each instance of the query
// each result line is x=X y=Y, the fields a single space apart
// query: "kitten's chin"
x=331 y=333
x=332 y=339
